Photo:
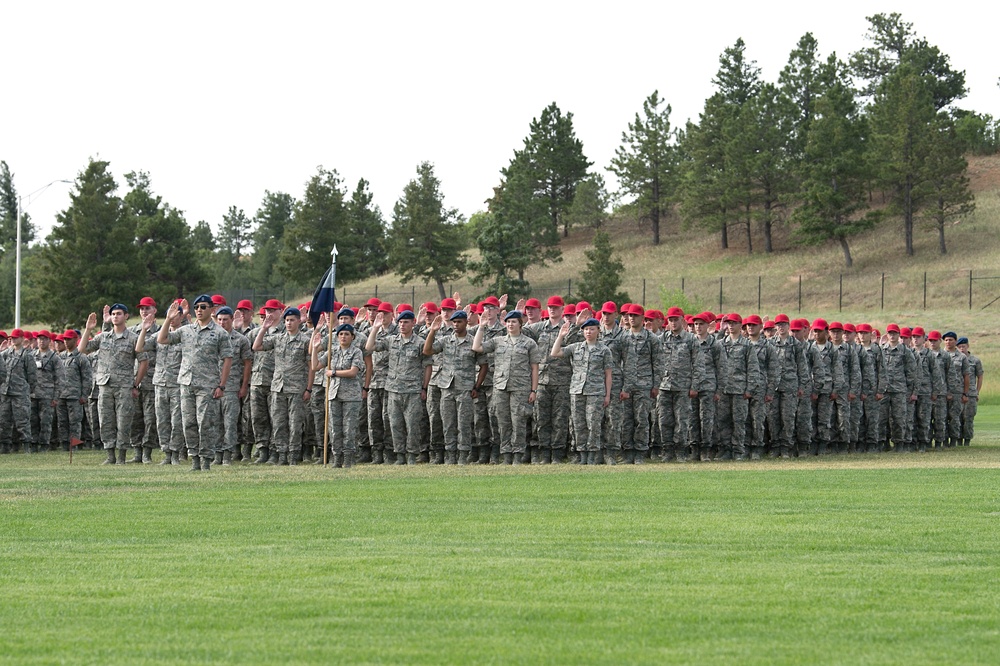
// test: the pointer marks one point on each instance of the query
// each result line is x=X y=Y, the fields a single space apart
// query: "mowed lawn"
x=847 y=559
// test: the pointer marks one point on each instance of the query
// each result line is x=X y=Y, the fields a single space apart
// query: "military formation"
x=479 y=384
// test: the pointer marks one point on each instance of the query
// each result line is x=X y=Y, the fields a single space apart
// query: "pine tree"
x=602 y=277
x=319 y=222
x=367 y=230
x=946 y=184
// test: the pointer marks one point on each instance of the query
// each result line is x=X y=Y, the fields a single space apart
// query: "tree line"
x=831 y=148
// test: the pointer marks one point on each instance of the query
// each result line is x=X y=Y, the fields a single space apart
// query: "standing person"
x=846 y=358
x=116 y=376
x=18 y=383
x=166 y=388
x=236 y=388
x=929 y=383
x=243 y=323
x=805 y=431
x=641 y=377
x=872 y=365
x=515 y=382
x=678 y=386
x=612 y=336
x=487 y=431
x=830 y=390
x=552 y=403
x=291 y=384
x=957 y=379
x=900 y=385
x=379 y=428
x=344 y=382
x=589 y=389
x=406 y=383
x=206 y=358
x=712 y=368
x=261 y=376
x=433 y=428
x=74 y=388
x=462 y=374
x=793 y=382
x=763 y=395
x=144 y=433
x=975 y=386
x=738 y=384
x=45 y=394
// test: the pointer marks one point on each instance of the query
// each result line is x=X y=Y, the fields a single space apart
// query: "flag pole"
x=329 y=349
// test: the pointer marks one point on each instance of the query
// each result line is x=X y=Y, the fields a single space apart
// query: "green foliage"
x=273 y=215
x=590 y=204
x=946 y=186
x=426 y=240
x=8 y=213
x=646 y=163
x=319 y=222
x=602 y=278
x=91 y=258
x=978 y=134
x=676 y=298
x=367 y=231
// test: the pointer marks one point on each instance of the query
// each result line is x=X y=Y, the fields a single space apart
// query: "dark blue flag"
x=323 y=298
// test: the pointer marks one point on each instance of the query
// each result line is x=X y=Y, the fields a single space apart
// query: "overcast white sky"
x=220 y=101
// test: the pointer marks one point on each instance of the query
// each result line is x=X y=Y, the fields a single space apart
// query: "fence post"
x=758 y=293
x=643 y=291
x=413 y=296
x=720 y=293
x=800 y=294
x=682 y=284
x=882 y=298
x=376 y=290
x=840 y=297
x=569 y=288
x=925 y=290
x=970 y=290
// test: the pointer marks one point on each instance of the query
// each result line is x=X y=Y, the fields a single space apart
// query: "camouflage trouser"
x=344 y=425
x=552 y=414
x=655 y=436
x=512 y=410
x=922 y=421
x=260 y=415
x=868 y=429
x=895 y=410
x=246 y=423
x=756 y=417
x=317 y=416
x=611 y=420
x=857 y=409
x=94 y=416
x=42 y=413
x=635 y=431
x=70 y=420
x=457 y=419
x=804 y=423
x=15 y=412
x=434 y=419
x=823 y=416
x=701 y=427
x=955 y=408
x=911 y=408
x=229 y=436
x=201 y=415
x=379 y=429
x=115 y=406
x=587 y=413
x=674 y=412
x=840 y=421
x=939 y=419
x=144 y=420
x=288 y=418
x=969 y=417
x=731 y=422
x=405 y=413
x=781 y=418
x=169 y=424
x=484 y=409
x=362 y=439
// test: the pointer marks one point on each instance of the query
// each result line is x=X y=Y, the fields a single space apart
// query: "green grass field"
x=847 y=559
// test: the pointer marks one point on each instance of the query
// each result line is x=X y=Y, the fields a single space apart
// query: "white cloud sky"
x=220 y=101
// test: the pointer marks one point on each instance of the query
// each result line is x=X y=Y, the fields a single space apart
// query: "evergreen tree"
x=647 y=162
x=590 y=205
x=8 y=213
x=602 y=277
x=367 y=231
x=319 y=222
x=946 y=186
x=426 y=240
x=272 y=217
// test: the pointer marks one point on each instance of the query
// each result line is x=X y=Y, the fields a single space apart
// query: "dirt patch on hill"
x=984 y=173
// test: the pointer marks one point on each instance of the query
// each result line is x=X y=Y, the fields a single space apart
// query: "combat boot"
x=227 y=458
x=755 y=453
x=273 y=459
x=294 y=458
x=377 y=457
x=147 y=453
x=338 y=460
x=166 y=458
x=424 y=457
x=175 y=457
x=111 y=458
x=451 y=457
x=411 y=458
x=247 y=452
x=206 y=463
x=966 y=442
x=508 y=459
x=349 y=459
x=495 y=454
x=558 y=456
x=121 y=456
x=463 y=457
x=609 y=457
x=262 y=456
x=195 y=464
x=137 y=457
x=400 y=458
x=364 y=455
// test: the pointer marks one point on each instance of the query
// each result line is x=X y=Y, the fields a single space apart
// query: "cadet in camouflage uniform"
x=515 y=382
x=379 y=428
x=116 y=367
x=75 y=382
x=433 y=428
x=975 y=386
x=243 y=323
x=406 y=383
x=804 y=416
x=900 y=384
x=762 y=397
x=206 y=359
x=291 y=385
x=613 y=337
x=702 y=427
x=872 y=364
x=461 y=371
x=552 y=403
x=261 y=376
x=236 y=388
x=641 y=376
x=957 y=380
x=831 y=389
x=793 y=383
x=344 y=377
x=144 y=435
x=15 y=393
x=487 y=427
x=846 y=358
x=45 y=394
x=167 y=390
x=929 y=381
x=589 y=388
x=739 y=381
x=678 y=386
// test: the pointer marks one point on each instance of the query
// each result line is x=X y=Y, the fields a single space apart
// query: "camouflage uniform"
x=680 y=368
x=587 y=391
x=433 y=426
x=871 y=362
x=927 y=370
x=763 y=395
x=404 y=383
x=261 y=375
x=288 y=385
x=971 y=407
x=115 y=378
x=47 y=368
x=230 y=402
x=834 y=381
x=167 y=392
x=702 y=432
x=957 y=374
x=552 y=401
x=15 y=396
x=344 y=399
x=512 y=361
x=804 y=416
x=75 y=382
x=379 y=428
x=611 y=421
x=900 y=384
x=641 y=374
x=92 y=410
x=144 y=431
x=487 y=428
x=793 y=379
x=742 y=377
x=203 y=349
x=458 y=371
x=845 y=356
x=316 y=418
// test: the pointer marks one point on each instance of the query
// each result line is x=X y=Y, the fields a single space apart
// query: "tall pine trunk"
x=940 y=226
x=847 y=252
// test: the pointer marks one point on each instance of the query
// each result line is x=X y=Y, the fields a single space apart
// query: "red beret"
x=917 y=332
x=849 y=327
x=218 y=299
x=273 y=304
x=934 y=335
x=491 y=300
x=385 y=306
x=583 y=305
x=569 y=309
